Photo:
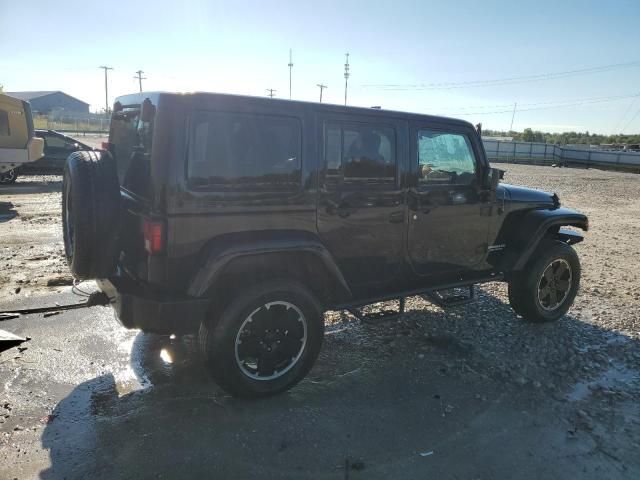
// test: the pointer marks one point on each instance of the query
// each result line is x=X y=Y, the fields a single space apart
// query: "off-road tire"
x=523 y=286
x=9 y=177
x=217 y=338
x=90 y=214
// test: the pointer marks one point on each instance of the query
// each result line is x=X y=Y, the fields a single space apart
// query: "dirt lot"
x=468 y=393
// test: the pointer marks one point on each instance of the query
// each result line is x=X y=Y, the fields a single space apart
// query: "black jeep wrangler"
x=244 y=219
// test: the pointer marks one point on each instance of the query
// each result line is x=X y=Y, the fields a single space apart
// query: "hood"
x=522 y=197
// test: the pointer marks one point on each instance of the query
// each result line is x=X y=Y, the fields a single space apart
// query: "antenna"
x=140 y=78
x=346 y=76
x=513 y=116
x=106 y=88
x=290 y=68
x=322 y=87
x=272 y=92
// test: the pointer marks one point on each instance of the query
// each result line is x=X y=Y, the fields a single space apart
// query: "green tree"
x=527 y=135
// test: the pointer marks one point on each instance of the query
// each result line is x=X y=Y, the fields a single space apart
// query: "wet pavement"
x=89 y=399
x=468 y=393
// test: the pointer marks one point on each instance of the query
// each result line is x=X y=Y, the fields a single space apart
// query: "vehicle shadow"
x=380 y=399
x=7 y=211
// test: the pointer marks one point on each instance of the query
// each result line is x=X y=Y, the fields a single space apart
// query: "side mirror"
x=492 y=178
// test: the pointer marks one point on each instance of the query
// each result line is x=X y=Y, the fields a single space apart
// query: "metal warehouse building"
x=46 y=102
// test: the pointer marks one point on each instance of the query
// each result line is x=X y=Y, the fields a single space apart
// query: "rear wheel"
x=266 y=340
x=9 y=177
x=546 y=288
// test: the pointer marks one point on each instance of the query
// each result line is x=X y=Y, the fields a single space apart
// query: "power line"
x=631 y=121
x=569 y=104
x=550 y=102
x=140 y=78
x=322 y=87
x=557 y=103
x=633 y=102
x=272 y=92
x=503 y=81
x=106 y=88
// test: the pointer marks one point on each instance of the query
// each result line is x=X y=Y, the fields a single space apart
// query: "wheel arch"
x=237 y=261
x=523 y=239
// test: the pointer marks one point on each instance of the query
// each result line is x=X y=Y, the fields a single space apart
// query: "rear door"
x=361 y=214
x=448 y=214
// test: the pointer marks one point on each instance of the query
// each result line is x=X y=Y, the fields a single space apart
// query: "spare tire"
x=90 y=214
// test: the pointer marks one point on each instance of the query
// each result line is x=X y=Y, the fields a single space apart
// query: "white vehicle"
x=18 y=142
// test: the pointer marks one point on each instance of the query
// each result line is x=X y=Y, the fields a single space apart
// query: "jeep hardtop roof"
x=205 y=99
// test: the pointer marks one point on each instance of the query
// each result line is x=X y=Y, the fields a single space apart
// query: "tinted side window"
x=232 y=151
x=52 y=141
x=445 y=158
x=360 y=152
x=4 y=124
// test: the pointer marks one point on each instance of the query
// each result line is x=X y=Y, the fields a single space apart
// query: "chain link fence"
x=547 y=154
x=73 y=123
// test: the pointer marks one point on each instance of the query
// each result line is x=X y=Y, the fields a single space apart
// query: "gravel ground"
x=578 y=376
x=31 y=237
x=591 y=355
x=603 y=324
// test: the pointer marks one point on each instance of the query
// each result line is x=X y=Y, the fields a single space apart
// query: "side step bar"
x=378 y=316
x=437 y=297
x=444 y=300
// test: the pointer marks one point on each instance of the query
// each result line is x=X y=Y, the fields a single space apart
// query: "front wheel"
x=266 y=340
x=546 y=288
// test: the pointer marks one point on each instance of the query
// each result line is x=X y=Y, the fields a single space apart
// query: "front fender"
x=222 y=251
x=523 y=238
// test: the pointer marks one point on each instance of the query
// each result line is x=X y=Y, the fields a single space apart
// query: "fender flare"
x=532 y=228
x=222 y=251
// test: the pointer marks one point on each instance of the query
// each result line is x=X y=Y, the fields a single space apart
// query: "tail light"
x=154 y=235
x=105 y=145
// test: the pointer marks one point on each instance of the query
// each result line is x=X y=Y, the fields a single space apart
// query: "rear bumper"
x=139 y=308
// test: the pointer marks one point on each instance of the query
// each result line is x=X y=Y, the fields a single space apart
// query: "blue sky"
x=243 y=46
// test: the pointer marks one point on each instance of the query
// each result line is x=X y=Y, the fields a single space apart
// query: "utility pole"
x=106 y=88
x=322 y=87
x=290 y=68
x=346 y=76
x=140 y=78
x=513 y=116
x=272 y=92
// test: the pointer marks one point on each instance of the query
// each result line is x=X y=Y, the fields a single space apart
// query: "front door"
x=361 y=216
x=56 y=151
x=448 y=222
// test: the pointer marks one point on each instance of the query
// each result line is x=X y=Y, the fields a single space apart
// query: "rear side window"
x=445 y=158
x=237 y=151
x=360 y=152
x=52 y=141
x=4 y=124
